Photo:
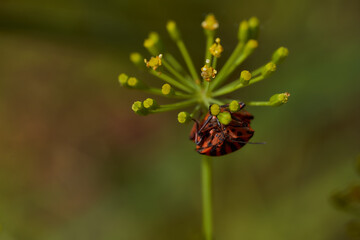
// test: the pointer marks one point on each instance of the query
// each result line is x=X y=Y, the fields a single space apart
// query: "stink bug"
x=213 y=138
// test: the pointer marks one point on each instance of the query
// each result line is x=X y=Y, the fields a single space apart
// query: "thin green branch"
x=214 y=62
x=260 y=103
x=170 y=80
x=213 y=100
x=209 y=41
x=174 y=106
x=233 y=86
x=170 y=58
x=206 y=169
x=187 y=59
x=176 y=94
x=257 y=71
x=181 y=78
x=224 y=71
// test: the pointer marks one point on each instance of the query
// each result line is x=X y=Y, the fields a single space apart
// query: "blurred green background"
x=77 y=163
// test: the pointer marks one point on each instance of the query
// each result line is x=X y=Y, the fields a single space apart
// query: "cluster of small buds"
x=216 y=49
x=202 y=88
x=154 y=62
x=207 y=73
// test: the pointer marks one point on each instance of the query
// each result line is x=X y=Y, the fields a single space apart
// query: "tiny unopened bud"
x=166 y=89
x=250 y=46
x=234 y=106
x=138 y=108
x=243 y=34
x=279 y=99
x=224 y=117
x=154 y=62
x=279 y=55
x=216 y=49
x=269 y=68
x=133 y=82
x=184 y=117
x=150 y=46
x=137 y=59
x=245 y=77
x=173 y=30
x=254 y=27
x=210 y=23
x=214 y=109
x=150 y=104
x=123 y=79
x=153 y=44
x=207 y=73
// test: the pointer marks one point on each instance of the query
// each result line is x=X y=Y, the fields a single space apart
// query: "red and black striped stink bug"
x=213 y=138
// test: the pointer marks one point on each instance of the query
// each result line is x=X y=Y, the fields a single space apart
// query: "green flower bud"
x=279 y=99
x=123 y=79
x=279 y=55
x=250 y=46
x=184 y=117
x=268 y=69
x=214 y=109
x=138 y=108
x=245 y=77
x=150 y=104
x=224 y=117
x=137 y=59
x=166 y=89
x=234 y=106
x=153 y=43
x=254 y=27
x=243 y=34
x=210 y=23
x=173 y=30
x=133 y=82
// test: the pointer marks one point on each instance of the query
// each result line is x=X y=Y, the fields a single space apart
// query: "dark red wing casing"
x=215 y=141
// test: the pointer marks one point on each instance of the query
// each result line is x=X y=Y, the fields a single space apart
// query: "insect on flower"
x=216 y=138
x=226 y=126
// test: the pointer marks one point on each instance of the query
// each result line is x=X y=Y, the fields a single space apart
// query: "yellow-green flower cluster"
x=201 y=87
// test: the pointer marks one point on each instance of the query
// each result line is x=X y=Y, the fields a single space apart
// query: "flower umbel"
x=203 y=87
x=221 y=125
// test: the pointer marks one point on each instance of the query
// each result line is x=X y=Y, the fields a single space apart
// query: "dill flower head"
x=205 y=88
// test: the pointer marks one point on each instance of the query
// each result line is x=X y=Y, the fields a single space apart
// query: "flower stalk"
x=206 y=173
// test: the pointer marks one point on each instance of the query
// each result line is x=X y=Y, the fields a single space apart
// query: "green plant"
x=204 y=90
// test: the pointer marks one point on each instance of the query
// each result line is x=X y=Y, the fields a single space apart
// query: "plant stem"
x=209 y=41
x=174 y=106
x=171 y=81
x=206 y=169
x=187 y=59
x=174 y=72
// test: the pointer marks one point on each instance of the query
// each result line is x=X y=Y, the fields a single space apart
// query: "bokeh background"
x=77 y=163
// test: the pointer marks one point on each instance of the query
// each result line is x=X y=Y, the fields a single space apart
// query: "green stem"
x=224 y=71
x=257 y=71
x=233 y=86
x=213 y=100
x=179 y=77
x=174 y=106
x=171 y=81
x=176 y=94
x=206 y=169
x=258 y=104
x=209 y=41
x=214 y=62
x=170 y=58
x=187 y=59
